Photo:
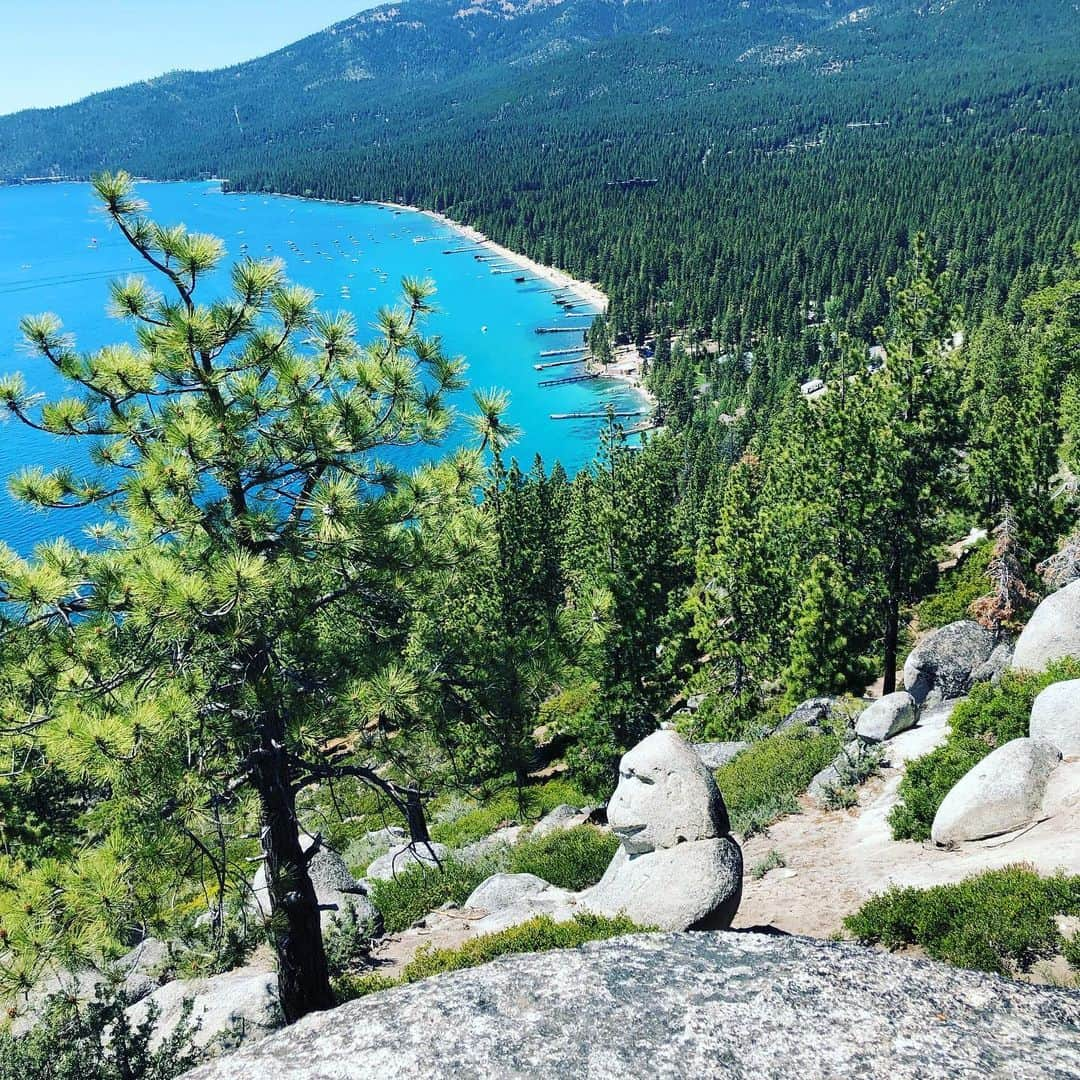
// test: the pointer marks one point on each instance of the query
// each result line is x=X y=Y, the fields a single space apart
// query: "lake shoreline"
x=585 y=291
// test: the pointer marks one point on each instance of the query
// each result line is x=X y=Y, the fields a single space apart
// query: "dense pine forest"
x=273 y=625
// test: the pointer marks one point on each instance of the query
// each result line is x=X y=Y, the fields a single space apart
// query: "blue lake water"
x=58 y=254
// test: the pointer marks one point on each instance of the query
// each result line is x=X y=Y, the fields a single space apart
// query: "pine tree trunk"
x=892 y=625
x=303 y=977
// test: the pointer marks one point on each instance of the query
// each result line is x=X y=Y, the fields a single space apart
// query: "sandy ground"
x=838 y=859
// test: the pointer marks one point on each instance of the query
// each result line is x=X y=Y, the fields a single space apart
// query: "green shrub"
x=573 y=859
x=927 y=781
x=1001 y=921
x=411 y=895
x=69 y=1044
x=459 y=823
x=957 y=589
x=537 y=935
x=989 y=718
x=773 y=861
x=761 y=784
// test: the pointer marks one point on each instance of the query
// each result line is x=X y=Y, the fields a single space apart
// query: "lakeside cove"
x=58 y=254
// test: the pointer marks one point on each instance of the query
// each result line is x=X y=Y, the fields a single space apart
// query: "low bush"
x=462 y=821
x=69 y=1044
x=572 y=859
x=762 y=783
x=989 y=718
x=537 y=935
x=1001 y=921
x=773 y=861
x=415 y=893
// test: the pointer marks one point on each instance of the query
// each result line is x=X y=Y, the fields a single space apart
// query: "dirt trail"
x=837 y=859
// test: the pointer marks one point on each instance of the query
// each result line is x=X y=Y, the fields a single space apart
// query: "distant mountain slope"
x=796 y=144
x=353 y=73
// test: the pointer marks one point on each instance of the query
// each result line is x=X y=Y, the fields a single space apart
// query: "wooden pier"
x=567 y=379
x=595 y=415
x=565 y=352
x=560 y=330
x=561 y=363
x=459 y=250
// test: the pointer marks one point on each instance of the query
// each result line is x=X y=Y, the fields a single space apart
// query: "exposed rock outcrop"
x=813 y=713
x=1052 y=632
x=1055 y=717
x=561 y=818
x=1002 y=792
x=715 y=754
x=887 y=717
x=685 y=1005
x=229 y=1009
x=943 y=664
x=677 y=867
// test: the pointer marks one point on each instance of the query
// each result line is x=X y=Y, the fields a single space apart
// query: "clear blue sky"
x=56 y=51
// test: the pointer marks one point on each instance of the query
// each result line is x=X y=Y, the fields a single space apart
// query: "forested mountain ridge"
x=796 y=145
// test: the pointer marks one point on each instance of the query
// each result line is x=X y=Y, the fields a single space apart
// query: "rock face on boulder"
x=685 y=1005
x=943 y=664
x=887 y=717
x=334 y=884
x=665 y=797
x=1003 y=792
x=677 y=867
x=407 y=857
x=1055 y=717
x=237 y=1006
x=1052 y=632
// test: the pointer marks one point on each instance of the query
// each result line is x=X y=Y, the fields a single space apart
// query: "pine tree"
x=196 y=654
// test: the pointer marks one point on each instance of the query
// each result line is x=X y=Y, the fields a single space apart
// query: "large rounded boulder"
x=1052 y=632
x=943 y=665
x=1055 y=717
x=685 y=1005
x=335 y=887
x=1001 y=793
x=677 y=867
x=888 y=716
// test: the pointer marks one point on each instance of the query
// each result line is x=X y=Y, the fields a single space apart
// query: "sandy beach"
x=584 y=290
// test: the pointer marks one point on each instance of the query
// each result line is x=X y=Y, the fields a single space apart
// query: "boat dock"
x=567 y=379
x=565 y=352
x=561 y=330
x=560 y=363
x=595 y=415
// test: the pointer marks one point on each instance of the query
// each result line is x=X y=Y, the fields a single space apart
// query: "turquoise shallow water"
x=57 y=254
